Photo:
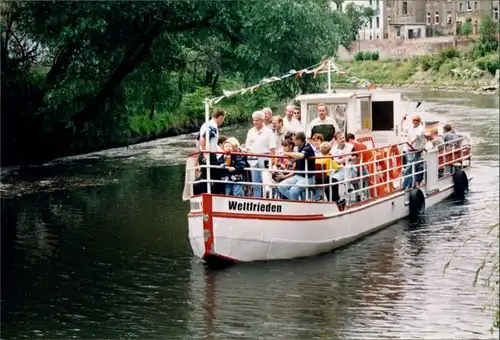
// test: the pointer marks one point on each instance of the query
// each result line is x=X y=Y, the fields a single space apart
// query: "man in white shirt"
x=322 y=124
x=260 y=140
x=416 y=132
x=291 y=124
x=208 y=138
x=416 y=139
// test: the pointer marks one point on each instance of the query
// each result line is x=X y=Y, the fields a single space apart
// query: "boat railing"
x=385 y=172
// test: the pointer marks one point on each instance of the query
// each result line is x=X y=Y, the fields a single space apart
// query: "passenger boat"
x=228 y=229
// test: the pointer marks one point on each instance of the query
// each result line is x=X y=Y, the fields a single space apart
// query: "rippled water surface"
x=98 y=249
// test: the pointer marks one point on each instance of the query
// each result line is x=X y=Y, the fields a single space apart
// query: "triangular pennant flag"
x=319 y=68
x=299 y=74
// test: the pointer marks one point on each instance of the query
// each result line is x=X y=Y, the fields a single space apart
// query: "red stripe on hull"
x=208 y=226
x=275 y=217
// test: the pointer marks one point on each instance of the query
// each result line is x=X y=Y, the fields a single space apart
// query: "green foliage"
x=488 y=37
x=465 y=29
x=366 y=55
x=489 y=63
x=450 y=53
x=84 y=75
x=425 y=62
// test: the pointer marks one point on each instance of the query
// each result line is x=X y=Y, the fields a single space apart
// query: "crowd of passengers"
x=303 y=151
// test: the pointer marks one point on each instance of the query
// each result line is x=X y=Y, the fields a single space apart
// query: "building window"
x=461 y=7
x=371 y=3
x=469 y=5
x=371 y=24
x=378 y=4
x=495 y=13
x=378 y=22
x=436 y=18
x=475 y=5
x=428 y=18
x=448 y=17
x=405 y=8
x=398 y=32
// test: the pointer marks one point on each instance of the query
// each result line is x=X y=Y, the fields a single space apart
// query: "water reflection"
x=96 y=262
x=317 y=297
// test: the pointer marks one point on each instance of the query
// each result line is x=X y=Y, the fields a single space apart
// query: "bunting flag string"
x=315 y=69
x=320 y=68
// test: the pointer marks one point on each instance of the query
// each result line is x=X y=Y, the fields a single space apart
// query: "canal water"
x=96 y=246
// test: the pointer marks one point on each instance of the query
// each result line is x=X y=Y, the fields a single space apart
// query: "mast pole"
x=207 y=144
x=329 y=90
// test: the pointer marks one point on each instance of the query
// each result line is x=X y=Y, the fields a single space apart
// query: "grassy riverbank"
x=450 y=70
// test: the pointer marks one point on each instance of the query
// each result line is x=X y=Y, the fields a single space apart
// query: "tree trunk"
x=214 y=82
x=132 y=59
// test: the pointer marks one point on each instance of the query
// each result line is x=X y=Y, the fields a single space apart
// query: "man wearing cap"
x=416 y=140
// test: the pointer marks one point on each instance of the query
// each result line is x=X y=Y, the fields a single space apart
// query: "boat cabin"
x=375 y=113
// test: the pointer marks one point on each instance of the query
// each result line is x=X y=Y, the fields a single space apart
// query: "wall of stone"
x=405 y=48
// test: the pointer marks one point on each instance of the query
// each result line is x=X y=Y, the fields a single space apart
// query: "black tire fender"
x=417 y=203
x=460 y=184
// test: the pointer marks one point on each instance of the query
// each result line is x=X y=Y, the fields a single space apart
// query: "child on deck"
x=329 y=165
x=234 y=166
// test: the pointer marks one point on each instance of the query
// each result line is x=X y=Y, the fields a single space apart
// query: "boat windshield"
x=335 y=111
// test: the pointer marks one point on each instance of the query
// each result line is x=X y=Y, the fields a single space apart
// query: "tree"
x=488 y=37
x=357 y=18
x=466 y=28
x=88 y=67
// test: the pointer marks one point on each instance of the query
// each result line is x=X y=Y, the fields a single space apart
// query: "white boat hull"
x=243 y=229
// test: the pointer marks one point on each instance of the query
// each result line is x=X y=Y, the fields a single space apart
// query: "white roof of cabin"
x=324 y=96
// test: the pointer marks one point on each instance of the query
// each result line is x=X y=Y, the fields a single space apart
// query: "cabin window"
x=383 y=116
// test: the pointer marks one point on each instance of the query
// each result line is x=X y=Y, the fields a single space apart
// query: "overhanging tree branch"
x=130 y=62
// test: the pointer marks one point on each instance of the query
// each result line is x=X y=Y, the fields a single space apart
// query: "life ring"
x=417 y=203
x=382 y=176
x=460 y=184
x=395 y=160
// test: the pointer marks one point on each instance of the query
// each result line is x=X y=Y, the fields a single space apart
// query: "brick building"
x=405 y=19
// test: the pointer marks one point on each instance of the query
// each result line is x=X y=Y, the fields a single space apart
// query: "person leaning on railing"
x=292 y=188
x=328 y=165
x=233 y=167
x=283 y=167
